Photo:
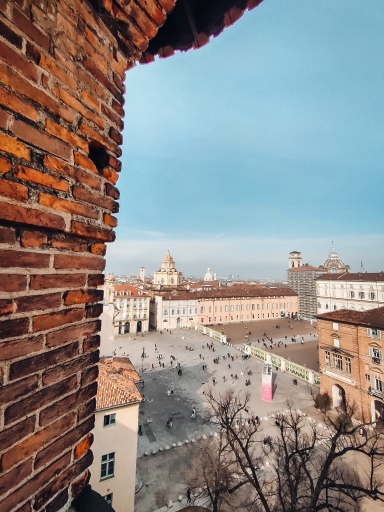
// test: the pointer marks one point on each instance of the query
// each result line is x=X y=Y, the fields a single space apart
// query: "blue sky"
x=267 y=140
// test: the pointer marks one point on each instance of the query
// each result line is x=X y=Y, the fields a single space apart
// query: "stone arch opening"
x=338 y=397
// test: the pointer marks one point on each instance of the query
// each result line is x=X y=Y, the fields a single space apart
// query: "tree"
x=292 y=464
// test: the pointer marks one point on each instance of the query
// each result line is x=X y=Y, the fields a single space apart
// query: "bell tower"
x=295 y=259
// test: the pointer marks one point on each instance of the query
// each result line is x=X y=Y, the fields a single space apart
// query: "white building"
x=167 y=275
x=359 y=291
x=113 y=471
x=131 y=309
x=174 y=311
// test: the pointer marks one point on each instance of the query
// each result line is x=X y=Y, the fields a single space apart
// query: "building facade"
x=351 y=360
x=357 y=291
x=131 y=309
x=113 y=471
x=167 y=275
x=231 y=304
x=302 y=278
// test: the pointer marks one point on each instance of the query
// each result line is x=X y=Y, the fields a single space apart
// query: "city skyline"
x=267 y=140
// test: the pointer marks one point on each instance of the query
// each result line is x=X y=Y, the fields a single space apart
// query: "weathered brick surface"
x=62 y=70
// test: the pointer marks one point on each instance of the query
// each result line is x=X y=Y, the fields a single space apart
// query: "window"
x=378 y=383
x=108 y=498
x=327 y=358
x=367 y=376
x=326 y=306
x=202 y=309
x=183 y=311
x=109 y=419
x=232 y=308
x=253 y=307
x=336 y=342
x=172 y=312
x=376 y=355
x=165 y=312
x=209 y=309
x=334 y=308
x=178 y=312
x=202 y=320
x=361 y=295
x=107 y=465
x=372 y=295
x=226 y=308
x=258 y=306
x=352 y=295
x=374 y=333
x=348 y=365
x=337 y=362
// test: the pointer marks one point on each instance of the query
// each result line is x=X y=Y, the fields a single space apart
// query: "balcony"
x=376 y=392
x=376 y=360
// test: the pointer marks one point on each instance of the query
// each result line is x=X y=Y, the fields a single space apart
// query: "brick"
x=84 y=445
x=86 y=410
x=51 y=320
x=39 y=362
x=79 y=484
x=42 y=141
x=110 y=175
x=78 y=107
x=46 y=281
x=27 y=507
x=82 y=296
x=67 y=170
x=60 y=445
x=63 y=134
x=23 y=259
x=92 y=232
x=16 y=390
x=7 y=236
x=85 y=162
x=62 y=74
x=33 y=238
x=68 y=368
x=64 y=261
x=110 y=220
x=71 y=333
x=65 y=205
x=112 y=116
x=13 y=328
x=58 y=502
x=5 y=165
x=98 y=74
x=112 y=191
x=16 y=60
x=12 y=435
x=38 y=399
x=6 y=307
x=19 y=214
x=70 y=243
x=87 y=130
x=20 y=347
x=91 y=343
x=12 y=102
x=11 y=145
x=96 y=280
x=93 y=311
x=18 y=474
x=13 y=283
x=67 y=476
x=38 y=302
x=60 y=407
x=93 y=102
x=30 y=29
x=116 y=135
x=17 y=83
x=99 y=249
x=32 y=486
x=42 y=178
x=5 y=119
x=10 y=35
x=35 y=442
x=89 y=196
x=13 y=190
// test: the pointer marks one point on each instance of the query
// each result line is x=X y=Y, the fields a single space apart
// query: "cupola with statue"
x=167 y=275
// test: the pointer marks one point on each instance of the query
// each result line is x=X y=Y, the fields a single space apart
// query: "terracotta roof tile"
x=372 y=318
x=236 y=291
x=353 y=276
x=116 y=383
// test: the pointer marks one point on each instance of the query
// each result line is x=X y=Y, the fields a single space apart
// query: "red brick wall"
x=62 y=66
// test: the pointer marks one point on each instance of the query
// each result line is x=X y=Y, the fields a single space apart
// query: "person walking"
x=188 y=495
x=193 y=415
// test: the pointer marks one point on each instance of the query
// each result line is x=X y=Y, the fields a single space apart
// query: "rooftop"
x=353 y=276
x=116 y=383
x=237 y=291
x=373 y=318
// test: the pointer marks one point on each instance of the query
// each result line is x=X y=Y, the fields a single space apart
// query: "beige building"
x=131 y=309
x=167 y=275
x=232 y=304
x=351 y=360
x=113 y=471
x=359 y=291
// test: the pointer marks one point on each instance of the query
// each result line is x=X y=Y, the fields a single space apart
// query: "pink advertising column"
x=266 y=388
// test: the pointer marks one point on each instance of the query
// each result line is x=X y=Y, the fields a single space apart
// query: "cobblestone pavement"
x=162 y=454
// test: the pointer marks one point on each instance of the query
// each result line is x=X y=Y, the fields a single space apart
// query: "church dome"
x=334 y=263
x=208 y=276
